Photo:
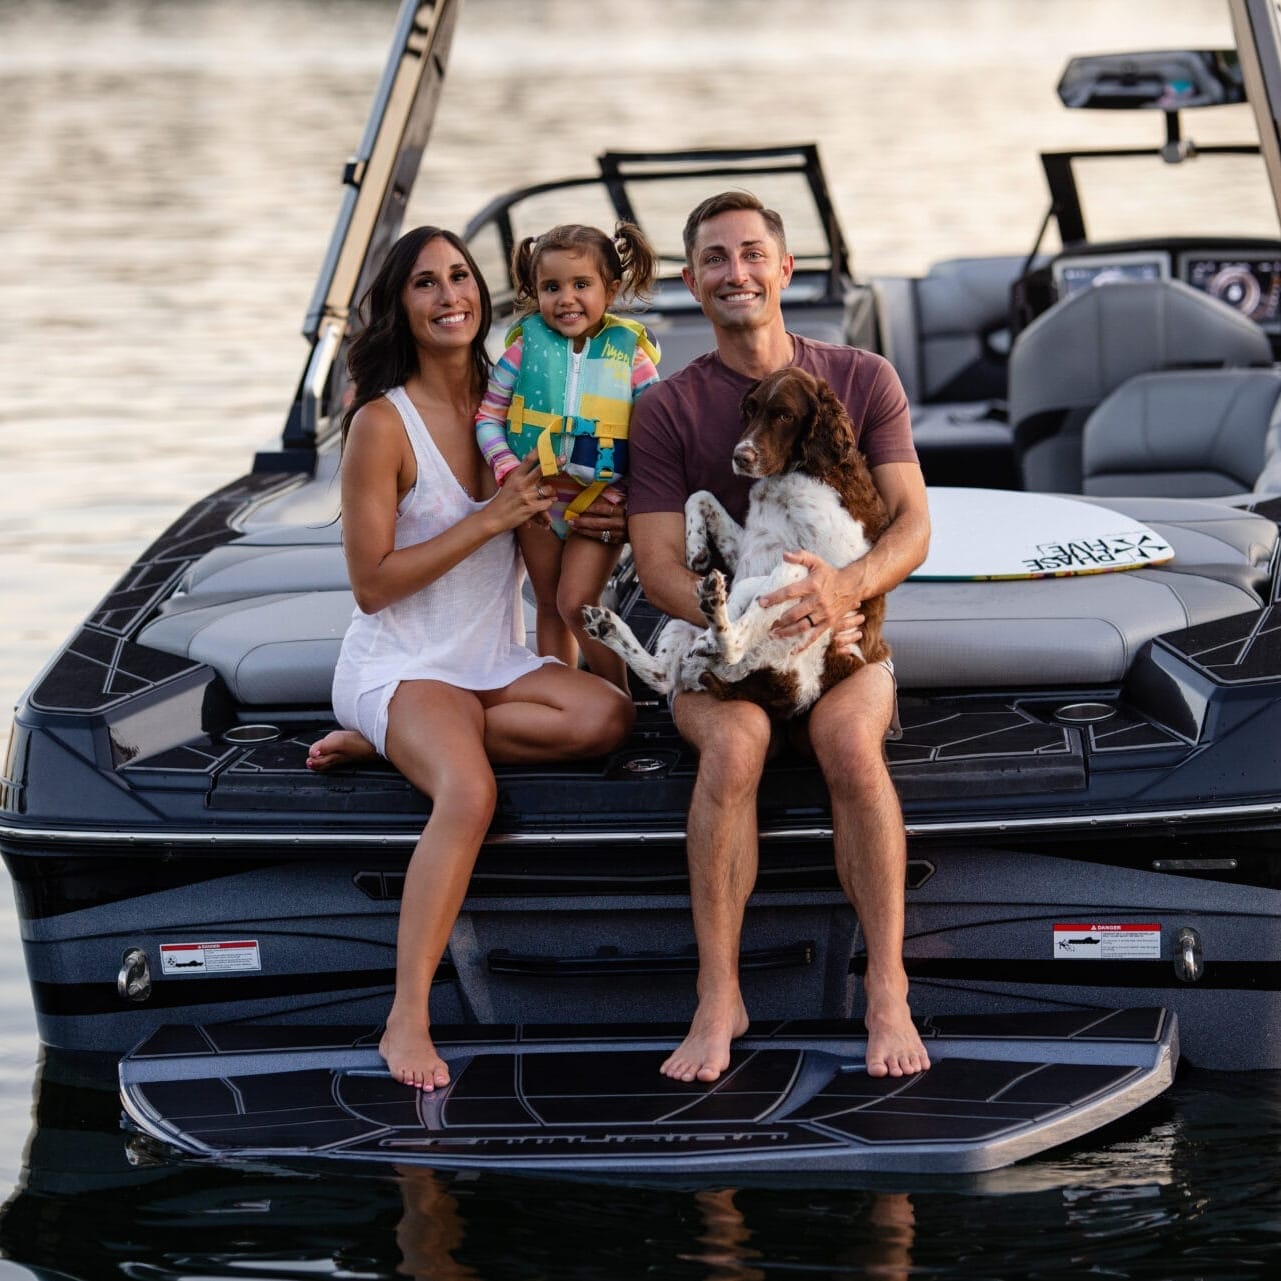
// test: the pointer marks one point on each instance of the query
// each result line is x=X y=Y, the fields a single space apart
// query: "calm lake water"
x=171 y=173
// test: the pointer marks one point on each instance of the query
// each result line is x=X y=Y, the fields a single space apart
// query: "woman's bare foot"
x=704 y=1053
x=339 y=747
x=894 y=1047
x=411 y=1056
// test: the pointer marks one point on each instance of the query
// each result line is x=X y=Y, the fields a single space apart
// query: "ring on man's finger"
x=541 y=492
x=809 y=618
x=607 y=537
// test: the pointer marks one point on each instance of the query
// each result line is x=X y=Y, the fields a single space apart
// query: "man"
x=682 y=434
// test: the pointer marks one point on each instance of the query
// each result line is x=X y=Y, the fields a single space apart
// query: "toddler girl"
x=565 y=387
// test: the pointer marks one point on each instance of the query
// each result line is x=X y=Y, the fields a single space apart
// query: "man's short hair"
x=727 y=202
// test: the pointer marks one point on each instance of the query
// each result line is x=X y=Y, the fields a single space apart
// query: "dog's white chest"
x=795 y=511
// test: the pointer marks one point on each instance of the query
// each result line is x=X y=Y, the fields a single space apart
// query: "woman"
x=433 y=672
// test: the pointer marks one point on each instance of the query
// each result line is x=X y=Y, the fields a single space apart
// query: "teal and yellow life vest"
x=587 y=440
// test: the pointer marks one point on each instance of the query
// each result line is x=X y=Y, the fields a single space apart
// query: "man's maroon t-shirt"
x=684 y=429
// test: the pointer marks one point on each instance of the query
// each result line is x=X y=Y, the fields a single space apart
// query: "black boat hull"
x=607 y=937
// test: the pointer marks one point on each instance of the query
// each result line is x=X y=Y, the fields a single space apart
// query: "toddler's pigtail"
x=522 y=270
x=638 y=259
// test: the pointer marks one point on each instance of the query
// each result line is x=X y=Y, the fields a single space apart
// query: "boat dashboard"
x=1243 y=273
x=1245 y=276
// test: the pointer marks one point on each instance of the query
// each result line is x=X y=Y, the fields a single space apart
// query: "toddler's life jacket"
x=587 y=439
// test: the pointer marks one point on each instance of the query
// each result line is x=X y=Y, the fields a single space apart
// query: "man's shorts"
x=895 y=730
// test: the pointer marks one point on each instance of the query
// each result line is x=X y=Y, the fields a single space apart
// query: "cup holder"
x=1084 y=713
x=248 y=735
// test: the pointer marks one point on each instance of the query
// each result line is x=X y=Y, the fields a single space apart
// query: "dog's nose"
x=745 y=458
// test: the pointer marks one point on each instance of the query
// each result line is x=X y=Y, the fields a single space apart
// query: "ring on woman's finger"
x=607 y=537
x=541 y=492
x=809 y=618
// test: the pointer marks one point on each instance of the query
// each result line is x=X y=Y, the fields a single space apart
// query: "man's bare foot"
x=704 y=1053
x=411 y=1056
x=339 y=747
x=894 y=1047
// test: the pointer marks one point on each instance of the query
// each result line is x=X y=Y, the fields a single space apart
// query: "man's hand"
x=849 y=631
x=604 y=521
x=821 y=600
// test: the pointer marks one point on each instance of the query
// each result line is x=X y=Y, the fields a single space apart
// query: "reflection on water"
x=172 y=173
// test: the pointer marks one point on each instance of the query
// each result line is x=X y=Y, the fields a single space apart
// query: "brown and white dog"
x=813 y=492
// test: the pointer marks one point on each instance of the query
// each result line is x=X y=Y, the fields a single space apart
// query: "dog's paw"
x=598 y=623
x=711 y=593
x=699 y=555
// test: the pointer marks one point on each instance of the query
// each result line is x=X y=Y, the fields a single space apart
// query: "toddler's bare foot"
x=704 y=1053
x=411 y=1056
x=339 y=747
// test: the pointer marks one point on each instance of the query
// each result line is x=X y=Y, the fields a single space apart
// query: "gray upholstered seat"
x=947 y=335
x=246 y=569
x=1194 y=433
x=960 y=444
x=1068 y=360
x=1083 y=630
x=276 y=558
x=1268 y=481
x=280 y=648
x=1210 y=539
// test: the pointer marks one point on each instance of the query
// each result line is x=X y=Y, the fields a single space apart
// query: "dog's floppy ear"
x=829 y=436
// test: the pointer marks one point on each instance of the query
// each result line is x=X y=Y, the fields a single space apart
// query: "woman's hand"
x=524 y=494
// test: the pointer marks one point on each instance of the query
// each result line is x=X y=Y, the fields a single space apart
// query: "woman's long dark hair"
x=383 y=354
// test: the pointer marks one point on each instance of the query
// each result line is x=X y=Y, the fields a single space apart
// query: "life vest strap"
x=588 y=495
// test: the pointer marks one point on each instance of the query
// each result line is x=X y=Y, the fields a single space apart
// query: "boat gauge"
x=1249 y=283
x=1236 y=285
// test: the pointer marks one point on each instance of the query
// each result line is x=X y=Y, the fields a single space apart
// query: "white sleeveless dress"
x=465 y=629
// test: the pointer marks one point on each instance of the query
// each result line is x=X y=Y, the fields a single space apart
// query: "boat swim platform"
x=590 y=1099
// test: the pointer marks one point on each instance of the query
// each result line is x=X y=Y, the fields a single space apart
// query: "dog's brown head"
x=792 y=421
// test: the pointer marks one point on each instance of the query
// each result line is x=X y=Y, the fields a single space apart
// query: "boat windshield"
x=657 y=191
x=1134 y=197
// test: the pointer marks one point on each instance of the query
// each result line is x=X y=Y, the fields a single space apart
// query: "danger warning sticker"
x=1107 y=942
x=185 y=960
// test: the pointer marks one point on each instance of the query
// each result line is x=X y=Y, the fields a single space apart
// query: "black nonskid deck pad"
x=796 y=1095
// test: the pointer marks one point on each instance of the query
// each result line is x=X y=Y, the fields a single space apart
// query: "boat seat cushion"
x=247 y=569
x=270 y=616
x=947 y=332
x=965 y=444
x=1197 y=433
x=1213 y=539
x=1079 y=630
x=1203 y=534
x=279 y=649
x=1068 y=360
